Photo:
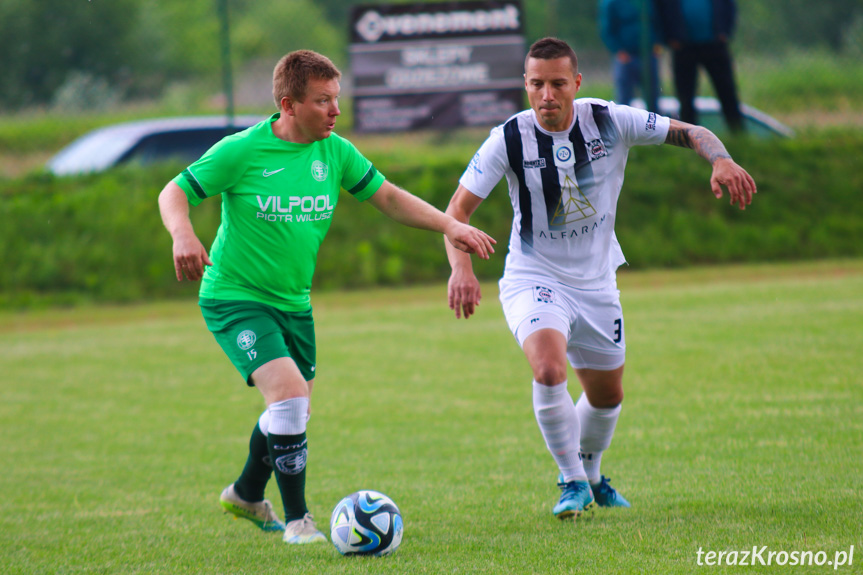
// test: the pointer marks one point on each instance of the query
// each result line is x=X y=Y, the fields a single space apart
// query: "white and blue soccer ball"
x=366 y=523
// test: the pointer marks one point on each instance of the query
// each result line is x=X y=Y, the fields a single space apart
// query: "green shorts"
x=253 y=333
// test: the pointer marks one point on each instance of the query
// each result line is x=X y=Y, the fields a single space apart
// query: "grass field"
x=742 y=427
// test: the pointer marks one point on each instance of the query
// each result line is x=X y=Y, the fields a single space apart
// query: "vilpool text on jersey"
x=295 y=208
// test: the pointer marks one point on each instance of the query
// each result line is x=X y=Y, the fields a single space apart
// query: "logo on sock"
x=292 y=463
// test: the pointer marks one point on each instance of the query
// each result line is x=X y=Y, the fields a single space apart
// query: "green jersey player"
x=279 y=182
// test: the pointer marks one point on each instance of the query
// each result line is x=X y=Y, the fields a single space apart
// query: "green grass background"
x=742 y=426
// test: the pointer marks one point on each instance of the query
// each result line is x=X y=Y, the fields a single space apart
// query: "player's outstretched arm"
x=415 y=212
x=463 y=290
x=190 y=255
x=741 y=187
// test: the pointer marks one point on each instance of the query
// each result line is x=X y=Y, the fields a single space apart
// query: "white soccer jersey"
x=564 y=188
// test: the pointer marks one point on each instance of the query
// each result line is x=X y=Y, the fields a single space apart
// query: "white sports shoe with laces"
x=260 y=512
x=302 y=531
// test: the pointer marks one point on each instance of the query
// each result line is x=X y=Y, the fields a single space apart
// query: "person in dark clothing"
x=620 y=27
x=698 y=32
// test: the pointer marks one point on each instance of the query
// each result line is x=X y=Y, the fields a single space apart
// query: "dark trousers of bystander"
x=716 y=60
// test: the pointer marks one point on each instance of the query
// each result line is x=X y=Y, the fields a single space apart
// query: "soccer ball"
x=366 y=523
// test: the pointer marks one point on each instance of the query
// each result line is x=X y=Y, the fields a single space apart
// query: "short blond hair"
x=292 y=74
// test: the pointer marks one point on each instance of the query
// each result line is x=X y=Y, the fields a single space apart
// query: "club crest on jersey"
x=543 y=294
x=319 y=170
x=595 y=150
x=564 y=156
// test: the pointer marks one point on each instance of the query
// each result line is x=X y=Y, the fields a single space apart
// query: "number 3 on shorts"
x=618 y=330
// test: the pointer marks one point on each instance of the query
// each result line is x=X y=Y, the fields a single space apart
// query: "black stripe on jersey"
x=196 y=187
x=549 y=175
x=577 y=139
x=515 y=156
x=602 y=117
x=372 y=171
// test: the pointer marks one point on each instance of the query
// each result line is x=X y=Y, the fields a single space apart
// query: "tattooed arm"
x=726 y=172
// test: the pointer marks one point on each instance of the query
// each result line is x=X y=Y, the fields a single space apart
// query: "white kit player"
x=564 y=162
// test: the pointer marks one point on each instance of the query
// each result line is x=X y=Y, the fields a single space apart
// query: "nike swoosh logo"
x=267 y=173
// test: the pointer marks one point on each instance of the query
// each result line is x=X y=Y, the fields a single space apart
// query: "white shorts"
x=591 y=320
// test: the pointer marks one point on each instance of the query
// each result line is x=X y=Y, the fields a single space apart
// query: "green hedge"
x=100 y=237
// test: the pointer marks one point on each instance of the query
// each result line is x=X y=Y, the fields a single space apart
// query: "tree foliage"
x=43 y=41
x=134 y=48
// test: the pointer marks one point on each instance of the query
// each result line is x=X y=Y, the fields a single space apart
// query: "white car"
x=709 y=111
x=145 y=142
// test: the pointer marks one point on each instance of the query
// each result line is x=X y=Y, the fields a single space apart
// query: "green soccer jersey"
x=278 y=199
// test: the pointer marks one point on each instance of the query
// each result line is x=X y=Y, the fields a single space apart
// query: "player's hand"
x=463 y=293
x=190 y=257
x=740 y=185
x=470 y=239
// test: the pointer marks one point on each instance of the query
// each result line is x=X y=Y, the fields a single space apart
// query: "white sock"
x=597 y=429
x=288 y=417
x=264 y=422
x=558 y=423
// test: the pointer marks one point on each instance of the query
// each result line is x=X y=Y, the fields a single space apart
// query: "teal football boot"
x=606 y=495
x=576 y=497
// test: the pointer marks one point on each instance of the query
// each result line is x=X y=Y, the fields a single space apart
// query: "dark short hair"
x=552 y=49
x=292 y=74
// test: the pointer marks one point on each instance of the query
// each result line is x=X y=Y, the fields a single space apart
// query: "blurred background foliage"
x=99 y=237
x=72 y=54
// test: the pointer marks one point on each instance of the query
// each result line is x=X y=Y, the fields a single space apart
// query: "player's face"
x=315 y=116
x=551 y=87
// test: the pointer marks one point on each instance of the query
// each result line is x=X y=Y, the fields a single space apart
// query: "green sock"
x=253 y=480
x=288 y=454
